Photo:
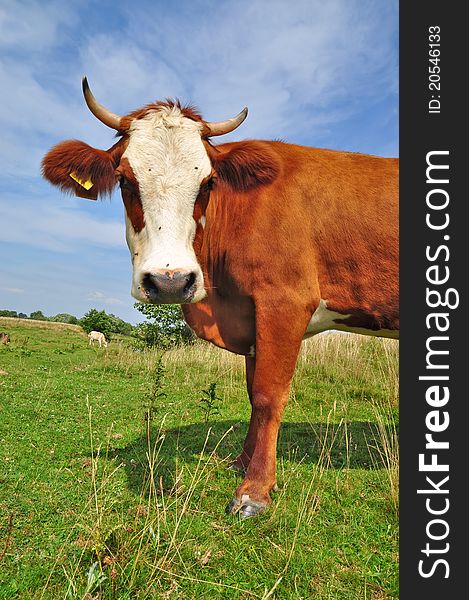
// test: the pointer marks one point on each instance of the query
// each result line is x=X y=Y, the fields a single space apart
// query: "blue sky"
x=313 y=72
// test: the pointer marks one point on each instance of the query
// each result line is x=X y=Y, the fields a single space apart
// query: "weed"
x=209 y=401
x=94 y=582
x=157 y=394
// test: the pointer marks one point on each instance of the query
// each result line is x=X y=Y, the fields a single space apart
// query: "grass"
x=113 y=476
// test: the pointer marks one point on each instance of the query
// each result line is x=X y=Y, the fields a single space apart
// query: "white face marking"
x=169 y=161
x=202 y=221
x=323 y=319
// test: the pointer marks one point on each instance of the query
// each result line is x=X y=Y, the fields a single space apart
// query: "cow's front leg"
x=241 y=463
x=277 y=345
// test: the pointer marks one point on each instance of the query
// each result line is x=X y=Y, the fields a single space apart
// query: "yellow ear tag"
x=84 y=184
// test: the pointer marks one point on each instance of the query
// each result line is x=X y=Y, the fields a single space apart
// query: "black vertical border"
x=422 y=132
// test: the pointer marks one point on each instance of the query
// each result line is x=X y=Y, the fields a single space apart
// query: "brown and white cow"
x=4 y=338
x=264 y=243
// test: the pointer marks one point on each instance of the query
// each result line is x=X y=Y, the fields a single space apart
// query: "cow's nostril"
x=190 y=282
x=149 y=284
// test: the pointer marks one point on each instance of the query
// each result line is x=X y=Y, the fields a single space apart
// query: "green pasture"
x=114 y=479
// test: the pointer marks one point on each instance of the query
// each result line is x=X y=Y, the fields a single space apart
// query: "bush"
x=164 y=328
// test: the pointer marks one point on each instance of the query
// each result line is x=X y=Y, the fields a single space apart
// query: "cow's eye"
x=210 y=183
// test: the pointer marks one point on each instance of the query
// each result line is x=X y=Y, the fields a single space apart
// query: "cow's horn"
x=98 y=110
x=223 y=127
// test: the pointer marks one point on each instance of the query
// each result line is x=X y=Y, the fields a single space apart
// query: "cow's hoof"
x=245 y=508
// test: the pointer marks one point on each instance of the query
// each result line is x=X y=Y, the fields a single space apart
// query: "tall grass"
x=157 y=537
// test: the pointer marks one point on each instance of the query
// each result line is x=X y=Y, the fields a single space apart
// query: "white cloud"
x=29 y=25
x=109 y=63
x=13 y=290
x=103 y=299
x=31 y=113
x=298 y=67
x=55 y=227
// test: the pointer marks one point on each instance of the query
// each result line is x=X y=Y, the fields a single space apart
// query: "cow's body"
x=4 y=338
x=97 y=336
x=264 y=244
x=322 y=243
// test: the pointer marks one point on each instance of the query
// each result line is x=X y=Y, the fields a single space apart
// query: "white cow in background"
x=97 y=336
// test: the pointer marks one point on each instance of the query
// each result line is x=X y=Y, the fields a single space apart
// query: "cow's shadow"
x=358 y=444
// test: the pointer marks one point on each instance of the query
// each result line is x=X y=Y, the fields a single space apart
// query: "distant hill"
x=6 y=322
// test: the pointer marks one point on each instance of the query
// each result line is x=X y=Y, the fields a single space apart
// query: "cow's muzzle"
x=169 y=286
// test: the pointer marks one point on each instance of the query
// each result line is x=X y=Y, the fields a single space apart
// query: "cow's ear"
x=245 y=165
x=75 y=167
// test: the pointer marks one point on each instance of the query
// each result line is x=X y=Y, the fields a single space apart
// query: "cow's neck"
x=226 y=316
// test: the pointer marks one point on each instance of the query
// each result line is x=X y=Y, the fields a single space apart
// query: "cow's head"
x=163 y=164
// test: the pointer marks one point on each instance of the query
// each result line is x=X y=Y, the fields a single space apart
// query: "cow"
x=263 y=243
x=4 y=338
x=97 y=336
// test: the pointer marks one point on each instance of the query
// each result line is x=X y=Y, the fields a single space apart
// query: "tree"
x=64 y=318
x=164 y=327
x=38 y=315
x=8 y=313
x=97 y=320
x=118 y=325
